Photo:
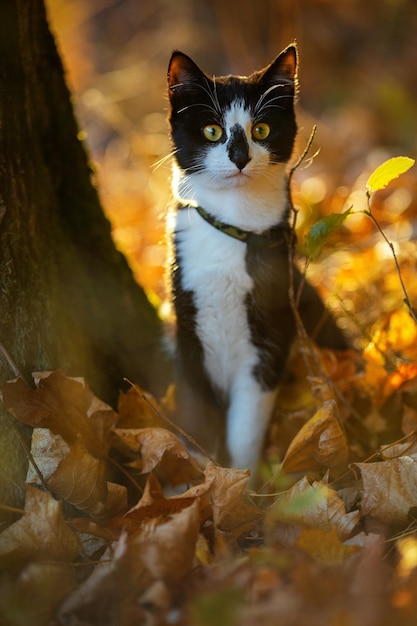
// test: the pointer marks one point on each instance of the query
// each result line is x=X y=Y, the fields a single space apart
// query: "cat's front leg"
x=247 y=420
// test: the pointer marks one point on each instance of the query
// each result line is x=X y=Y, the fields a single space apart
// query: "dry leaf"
x=389 y=489
x=65 y=406
x=115 y=583
x=233 y=512
x=48 y=450
x=162 y=550
x=167 y=547
x=42 y=533
x=319 y=443
x=314 y=506
x=404 y=373
x=324 y=545
x=162 y=450
x=154 y=504
x=138 y=409
x=80 y=480
x=37 y=592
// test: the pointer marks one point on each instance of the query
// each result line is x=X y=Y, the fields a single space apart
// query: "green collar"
x=273 y=237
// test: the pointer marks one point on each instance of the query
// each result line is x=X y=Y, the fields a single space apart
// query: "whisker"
x=260 y=105
x=198 y=104
x=216 y=97
x=155 y=166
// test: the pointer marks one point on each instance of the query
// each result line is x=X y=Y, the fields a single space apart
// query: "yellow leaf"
x=313 y=506
x=319 y=443
x=324 y=545
x=387 y=172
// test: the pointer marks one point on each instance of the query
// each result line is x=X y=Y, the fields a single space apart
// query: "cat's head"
x=232 y=129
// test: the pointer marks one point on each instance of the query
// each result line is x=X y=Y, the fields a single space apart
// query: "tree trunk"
x=67 y=296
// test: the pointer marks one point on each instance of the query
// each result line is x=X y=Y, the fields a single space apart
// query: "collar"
x=273 y=237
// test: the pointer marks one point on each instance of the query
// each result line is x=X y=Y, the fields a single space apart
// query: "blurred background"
x=358 y=83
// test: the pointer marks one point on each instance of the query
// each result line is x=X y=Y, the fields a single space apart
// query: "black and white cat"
x=233 y=137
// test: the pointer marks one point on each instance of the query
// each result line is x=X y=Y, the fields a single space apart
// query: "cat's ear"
x=182 y=71
x=284 y=66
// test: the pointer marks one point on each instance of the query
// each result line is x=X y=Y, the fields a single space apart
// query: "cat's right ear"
x=182 y=71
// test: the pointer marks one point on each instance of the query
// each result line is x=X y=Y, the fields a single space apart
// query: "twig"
x=10 y=361
x=25 y=447
x=304 y=153
x=11 y=509
x=171 y=423
x=397 y=265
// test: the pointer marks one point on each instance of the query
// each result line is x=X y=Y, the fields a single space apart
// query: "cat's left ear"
x=284 y=66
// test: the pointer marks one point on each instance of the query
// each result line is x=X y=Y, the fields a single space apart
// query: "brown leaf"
x=114 y=583
x=48 y=450
x=80 y=480
x=389 y=489
x=233 y=511
x=313 y=506
x=138 y=409
x=37 y=592
x=319 y=443
x=42 y=532
x=153 y=504
x=162 y=550
x=167 y=549
x=162 y=450
x=65 y=406
x=324 y=545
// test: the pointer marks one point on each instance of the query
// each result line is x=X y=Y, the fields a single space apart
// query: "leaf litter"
x=124 y=525
x=138 y=531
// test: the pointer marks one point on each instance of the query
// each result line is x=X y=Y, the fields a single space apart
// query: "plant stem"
x=397 y=265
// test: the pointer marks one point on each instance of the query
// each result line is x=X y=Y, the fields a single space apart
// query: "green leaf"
x=321 y=231
x=387 y=172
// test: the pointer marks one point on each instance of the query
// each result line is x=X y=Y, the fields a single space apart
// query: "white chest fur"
x=213 y=268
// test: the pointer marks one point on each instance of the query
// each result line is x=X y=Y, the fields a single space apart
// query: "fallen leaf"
x=233 y=512
x=113 y=585
x=404 y=373
x=80 y=480
x=36 y=594
x=162 y=450
x=48 y=450
x=138 y=409
x=319 y=443
x=161 y=550
x=64 y=405
x=154 y=504
x=167 y=547
x=389 y=489
x=324 y=545
x=42 y=533
x=313 y=505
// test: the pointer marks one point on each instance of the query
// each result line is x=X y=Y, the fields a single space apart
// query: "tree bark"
x=67 y=296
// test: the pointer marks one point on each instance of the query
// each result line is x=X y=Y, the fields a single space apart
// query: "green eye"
x=261 y=131
x=213 y=132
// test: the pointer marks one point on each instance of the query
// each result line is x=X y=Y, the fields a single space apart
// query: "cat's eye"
x=261 y=131
x=213 y=132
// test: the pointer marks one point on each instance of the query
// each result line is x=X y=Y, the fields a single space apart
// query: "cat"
x=233 y=137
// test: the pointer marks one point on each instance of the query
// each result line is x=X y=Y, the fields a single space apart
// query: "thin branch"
x=304 y=153
x=24 y=445
x=171 y=423
x=397 y=265
x=10 y=361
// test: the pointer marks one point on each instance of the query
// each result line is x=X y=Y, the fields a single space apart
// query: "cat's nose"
x=240 y=157
x=238 y=147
